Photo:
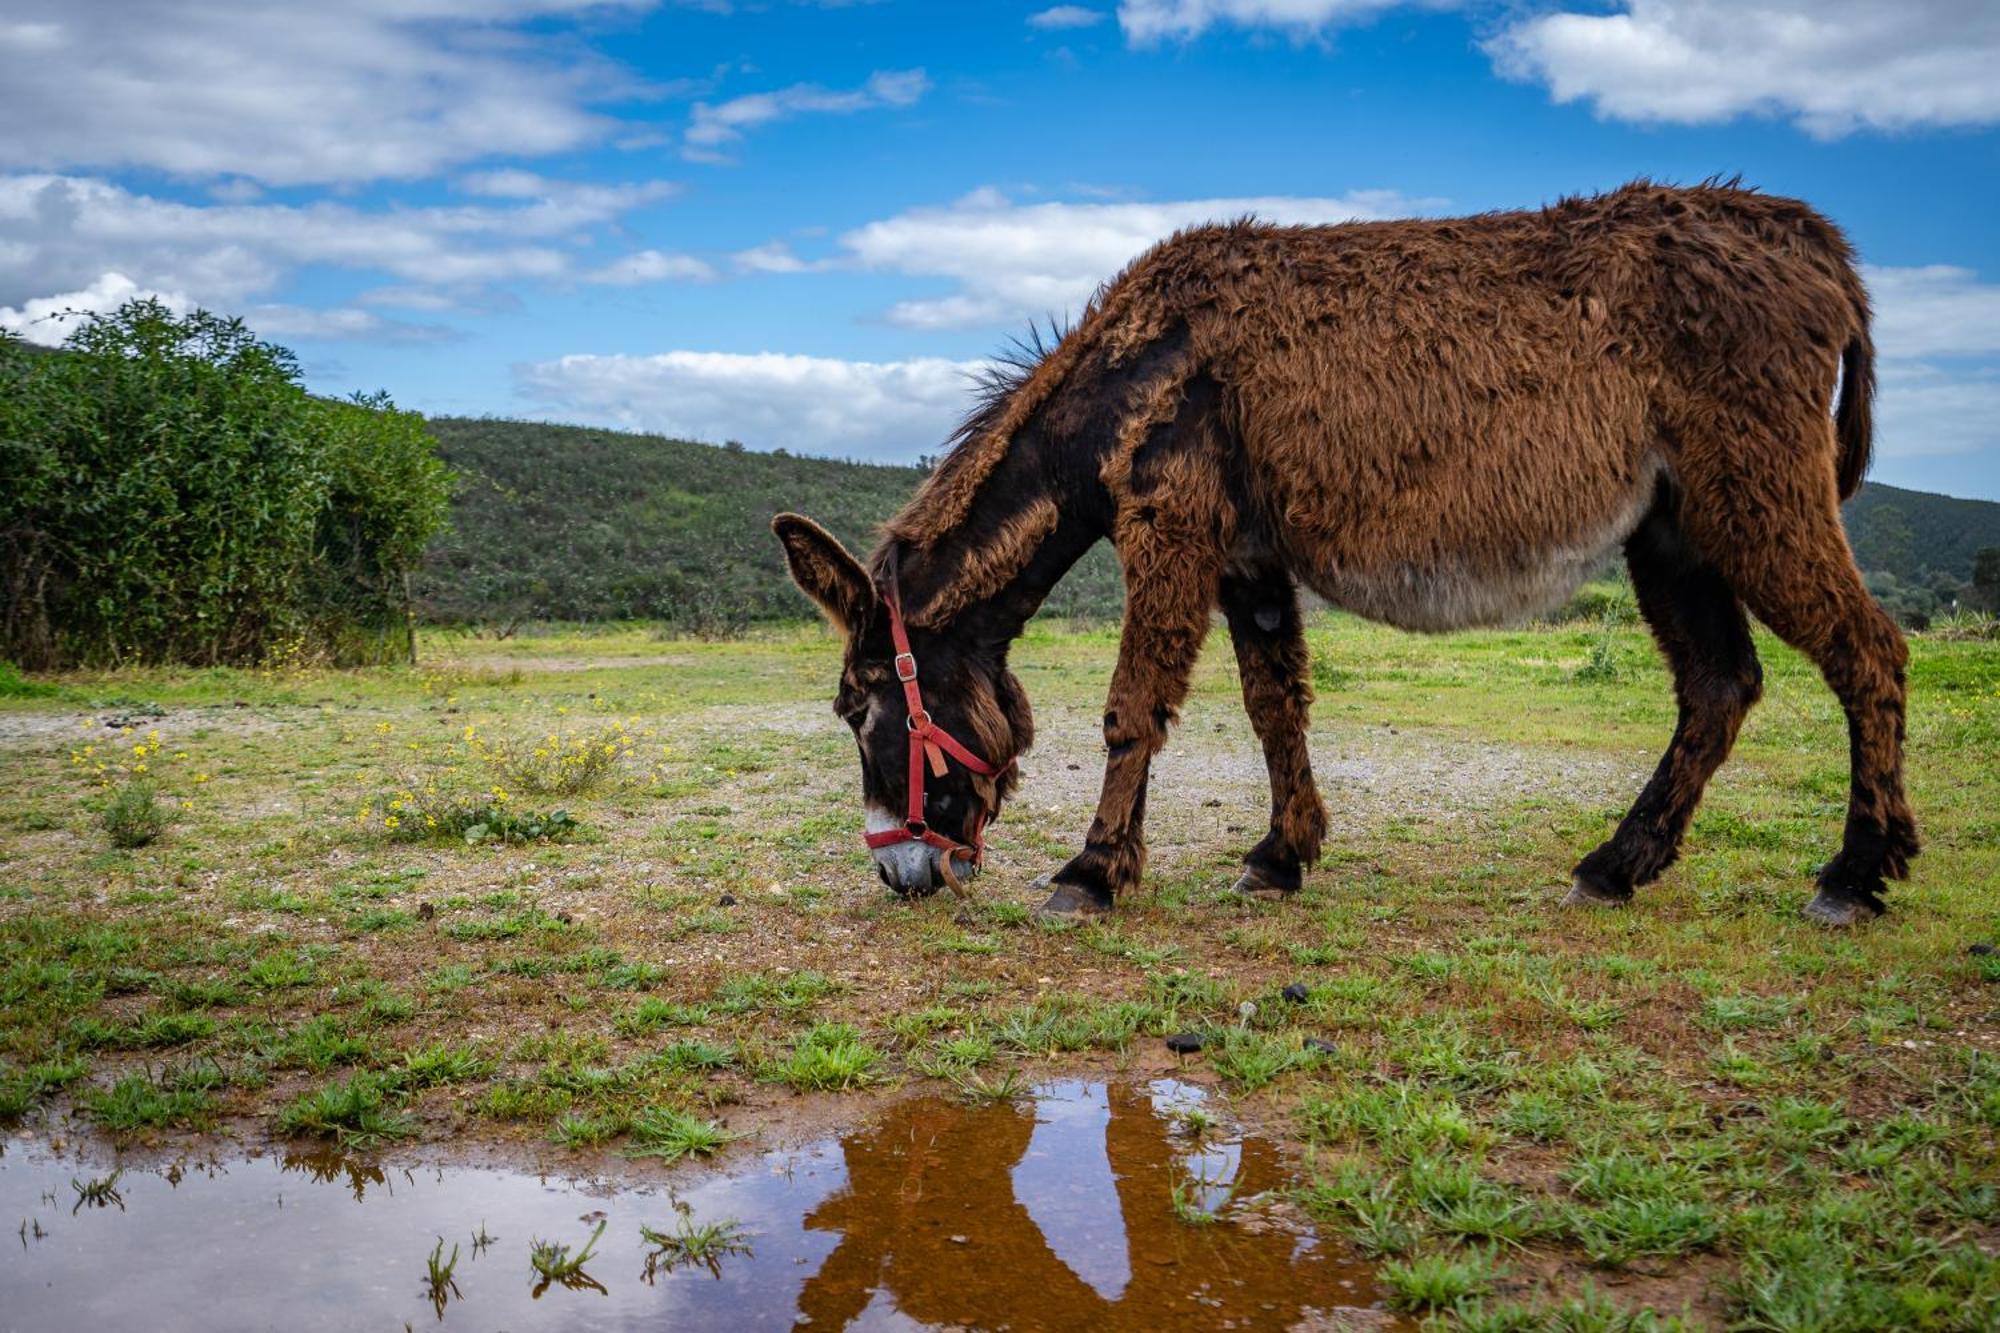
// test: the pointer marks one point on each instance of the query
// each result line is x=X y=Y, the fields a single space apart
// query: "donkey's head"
x=972 y=719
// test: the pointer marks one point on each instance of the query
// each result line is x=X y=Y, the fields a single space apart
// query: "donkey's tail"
x=1854 y=415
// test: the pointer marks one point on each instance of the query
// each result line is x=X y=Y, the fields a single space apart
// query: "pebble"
x=1322 y=1045
x=1185 y=1043
x=1980 y=950
x=726 y=900
x=1297 y=992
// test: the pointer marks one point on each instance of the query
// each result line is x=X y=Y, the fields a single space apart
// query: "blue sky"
x=801 y=224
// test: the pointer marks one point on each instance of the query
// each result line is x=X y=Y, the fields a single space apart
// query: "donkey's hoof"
x=1256 y=888
x=1839 y=912
x=1070 y=900
x=1583 y=893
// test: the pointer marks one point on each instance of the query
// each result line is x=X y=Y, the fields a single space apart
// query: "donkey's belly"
x=1492 y=582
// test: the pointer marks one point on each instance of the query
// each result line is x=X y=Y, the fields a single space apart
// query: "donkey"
x=1432 y=423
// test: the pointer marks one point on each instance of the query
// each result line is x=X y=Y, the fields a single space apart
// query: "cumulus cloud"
x=48 y=320
x=1832 y=66
x=1149 y=21
x=1937 y=333
x=1934 y=310
x=1012 y=262
x=61 y=234
x=718 y=125
x=651 y=266
x=291 y=94
x=1063 y=17
x=887 y=410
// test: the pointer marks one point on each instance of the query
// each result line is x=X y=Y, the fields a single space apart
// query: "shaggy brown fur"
x=1435 y=423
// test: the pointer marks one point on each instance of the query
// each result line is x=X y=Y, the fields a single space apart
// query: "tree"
x=1986 y=578
x=174 y=494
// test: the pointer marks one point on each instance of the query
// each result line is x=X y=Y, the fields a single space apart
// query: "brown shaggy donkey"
x=1431 y=423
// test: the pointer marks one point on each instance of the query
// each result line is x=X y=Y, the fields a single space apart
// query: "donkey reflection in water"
x=1436 y=424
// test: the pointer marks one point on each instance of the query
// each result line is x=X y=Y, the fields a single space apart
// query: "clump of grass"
x=1186 y=1206
x=689 y=1243
x=101 y=1192
x=978 y=1089
x=132 y=815
x=1253 y=1060
x=831 y=1057
x=140 y=1101
x=442 y=1063
x=358 y=1112
x=21 y=1089
x=671 y=1134
x=437 y=1276
x=1436 y=1281
x=554 y=1263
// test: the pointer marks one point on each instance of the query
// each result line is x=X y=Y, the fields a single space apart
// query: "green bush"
x=174 y=494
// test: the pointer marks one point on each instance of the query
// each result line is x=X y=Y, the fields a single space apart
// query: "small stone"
x=1322 y=1046
x=425 y=911
x=1185 y=1043
x=726 y=900
x=961 y=1240
x=1297 y=992
x=1980 y=950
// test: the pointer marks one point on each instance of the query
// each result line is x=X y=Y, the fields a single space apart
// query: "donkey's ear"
x=825 y=571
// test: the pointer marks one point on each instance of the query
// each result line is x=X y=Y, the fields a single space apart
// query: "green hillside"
x=574 y=523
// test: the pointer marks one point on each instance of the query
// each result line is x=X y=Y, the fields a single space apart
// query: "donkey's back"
x=1452 y=421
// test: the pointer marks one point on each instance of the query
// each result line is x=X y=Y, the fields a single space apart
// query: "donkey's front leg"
x=1166 y=619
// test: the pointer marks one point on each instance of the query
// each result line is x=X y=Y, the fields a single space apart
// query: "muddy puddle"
x=1087 y=1204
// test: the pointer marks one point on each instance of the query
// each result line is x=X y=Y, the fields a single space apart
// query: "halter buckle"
x=906 y=667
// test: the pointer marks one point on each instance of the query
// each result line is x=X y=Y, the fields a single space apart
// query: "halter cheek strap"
x=929 y=744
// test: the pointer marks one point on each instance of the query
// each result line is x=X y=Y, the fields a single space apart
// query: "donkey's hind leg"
x=1699 y=624
x=1272 y=662
x=1789 y=560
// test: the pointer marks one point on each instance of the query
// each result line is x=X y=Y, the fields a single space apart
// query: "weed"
x=555 y=1264
x=359 y=1112
x=705 y=1244
x=132 y=815
x=670 y=1134
x=831 y=1057
x=437 y=1277
x=1437 y=1281
x=140 y=1101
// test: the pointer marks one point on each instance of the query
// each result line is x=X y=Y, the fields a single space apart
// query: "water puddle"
x=1087 y=1204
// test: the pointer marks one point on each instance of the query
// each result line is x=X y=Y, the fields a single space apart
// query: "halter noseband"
x=929 y=744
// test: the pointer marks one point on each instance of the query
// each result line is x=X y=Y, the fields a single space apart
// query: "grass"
x=693 y=1244
x=1700 y=1089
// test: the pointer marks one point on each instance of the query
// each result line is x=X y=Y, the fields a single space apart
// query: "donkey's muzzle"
x=915 y=869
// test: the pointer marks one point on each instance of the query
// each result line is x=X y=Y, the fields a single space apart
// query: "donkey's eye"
x=854 y=717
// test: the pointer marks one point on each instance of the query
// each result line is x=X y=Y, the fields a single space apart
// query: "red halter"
x=928 y=742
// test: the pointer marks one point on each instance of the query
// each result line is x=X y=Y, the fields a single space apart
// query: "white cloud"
x=48 y=320
x=1149 y=21
x=1064 y=17
x=1935 y=310
x=887 y=410
x=715 y=126
x=651 y=266
x=60 y=234
x=1832 y=66
x=291 y=94
x=1013 y=262
x=1937 y=332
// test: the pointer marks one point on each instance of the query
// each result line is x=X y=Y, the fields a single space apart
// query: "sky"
x=805 y=225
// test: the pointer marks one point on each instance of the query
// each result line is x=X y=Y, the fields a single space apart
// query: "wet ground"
x=1085 y=1204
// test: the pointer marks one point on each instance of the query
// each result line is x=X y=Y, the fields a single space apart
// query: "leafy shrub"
x=133 y=815
x=174 y=494
x=14 y=685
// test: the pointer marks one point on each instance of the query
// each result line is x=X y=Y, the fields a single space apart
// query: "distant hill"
x=1907 y=533
x=574 y=523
